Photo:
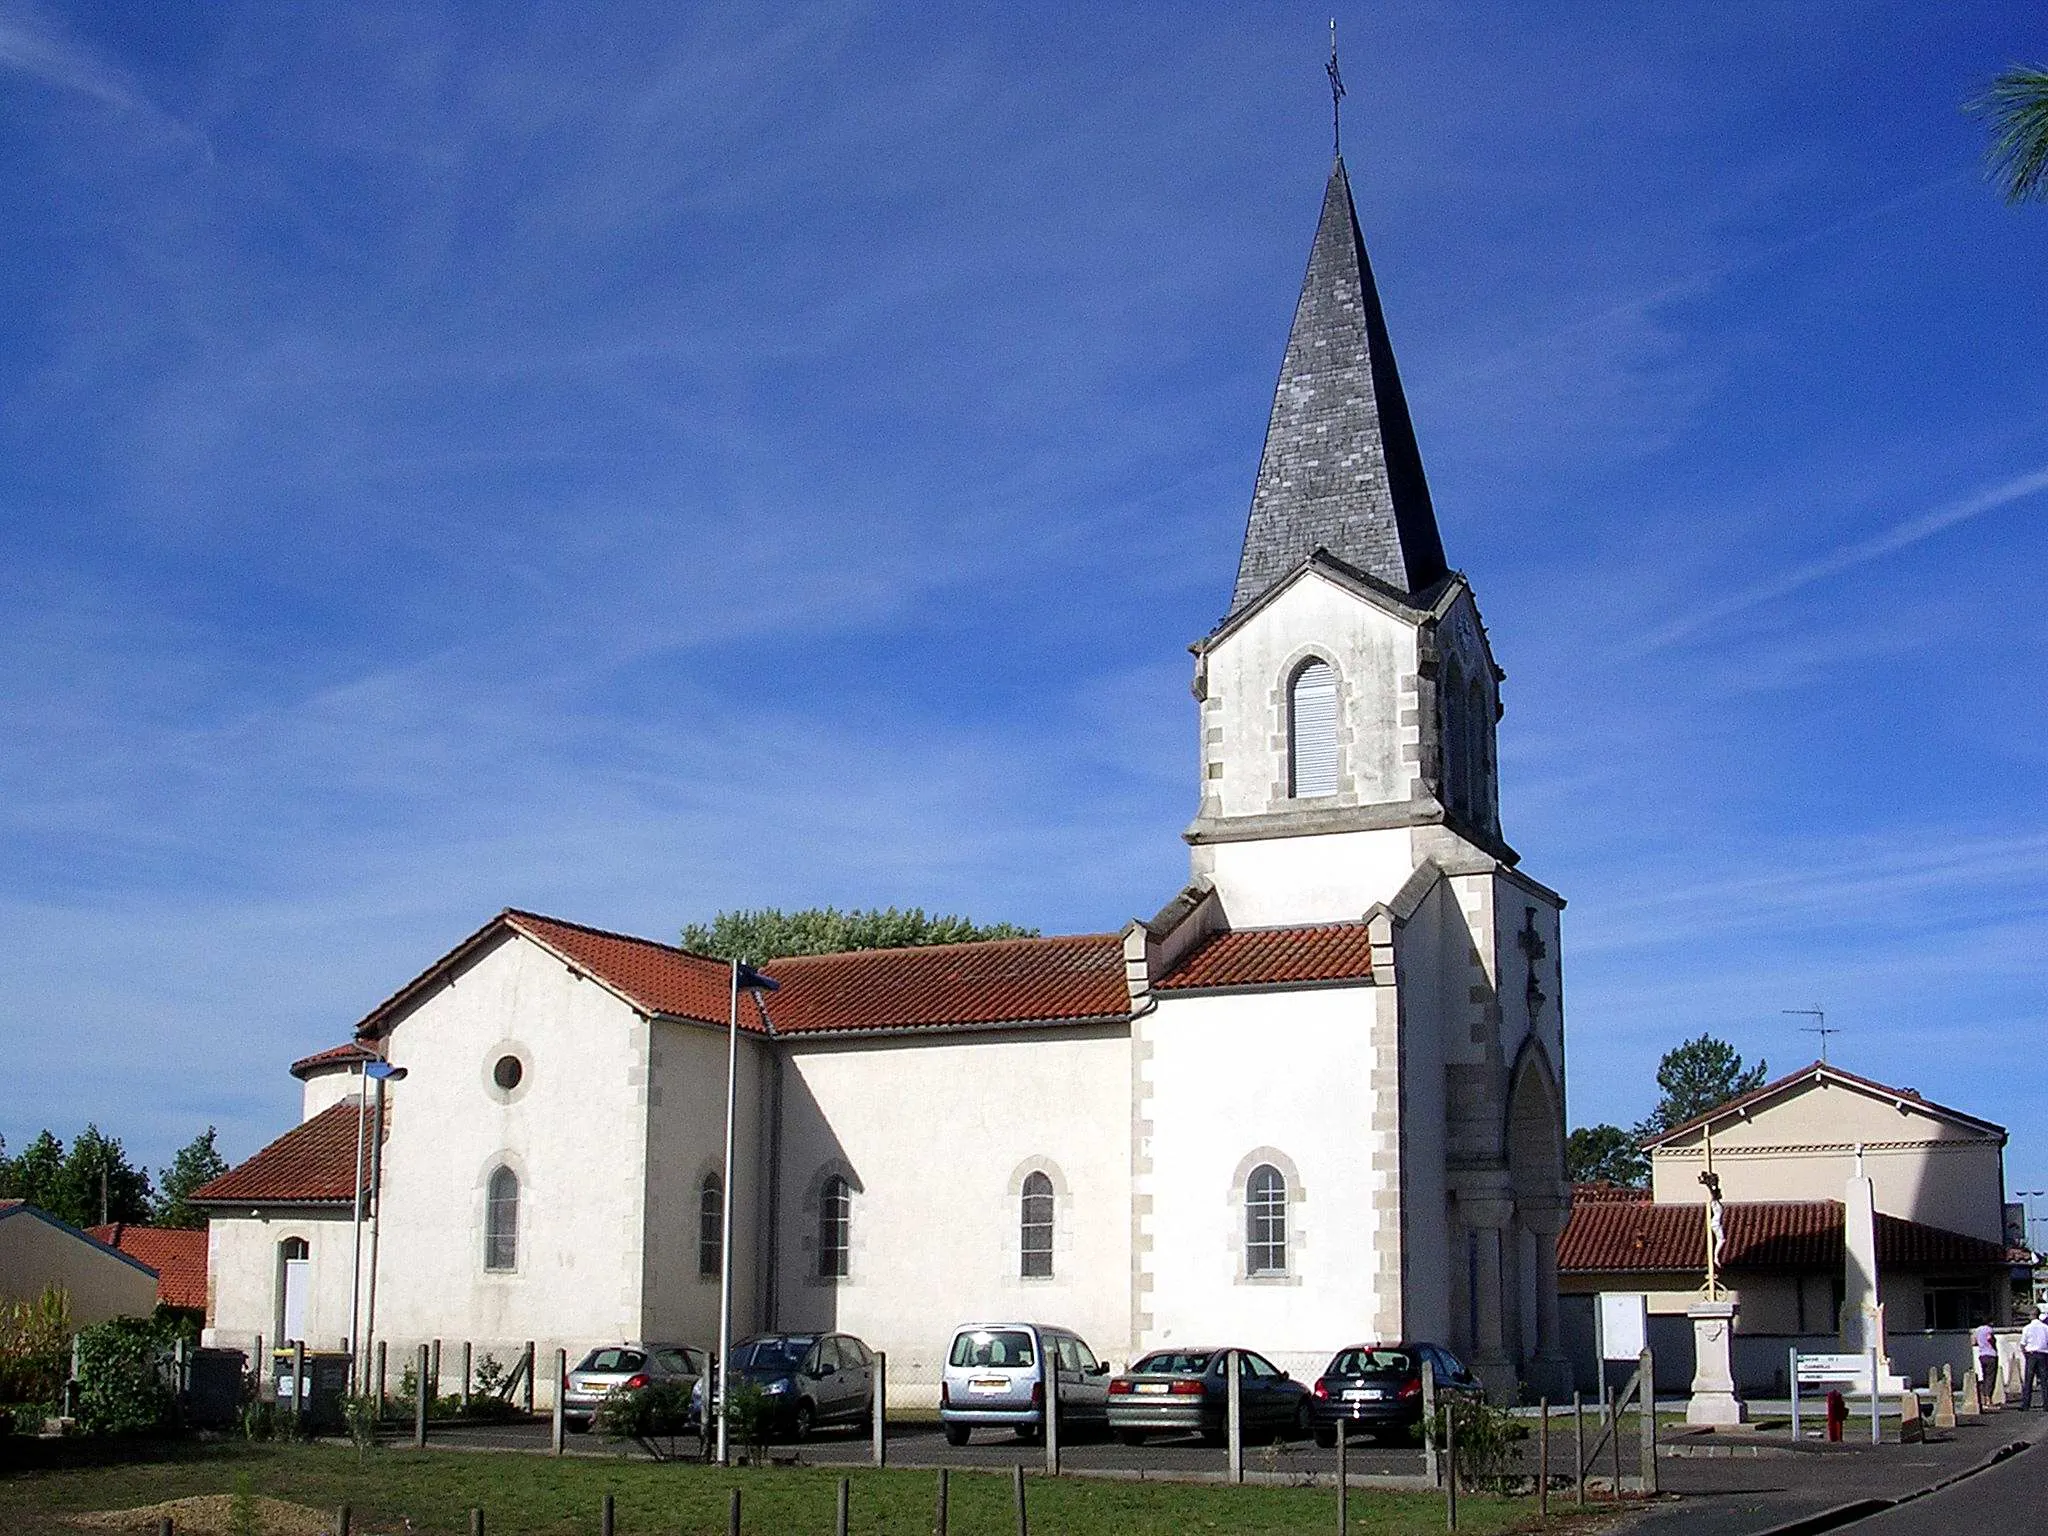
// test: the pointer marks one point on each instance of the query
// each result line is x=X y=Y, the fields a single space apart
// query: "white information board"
x=1624 y=1324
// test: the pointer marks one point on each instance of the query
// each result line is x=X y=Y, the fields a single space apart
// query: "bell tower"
x=1349 y=698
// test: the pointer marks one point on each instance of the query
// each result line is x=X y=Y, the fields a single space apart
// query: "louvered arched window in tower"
x=1312 y=730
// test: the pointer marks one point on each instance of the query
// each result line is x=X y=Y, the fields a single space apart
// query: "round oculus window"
x=507 y=1073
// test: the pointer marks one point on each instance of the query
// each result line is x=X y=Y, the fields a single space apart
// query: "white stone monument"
x=1713 y=1377
x=1862 y=1319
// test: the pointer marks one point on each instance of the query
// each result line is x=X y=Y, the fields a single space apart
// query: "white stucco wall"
x=1231 y=1081
x=323 y=1090
x=245 y=1276
x=936 y=1137
x=1325 y=878
x=575 y=1130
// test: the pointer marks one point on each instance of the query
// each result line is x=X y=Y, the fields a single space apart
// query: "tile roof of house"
x=313 y=1163
x=1599 y=1190
x=347 y=1054
x=1000 y=981
x=178 y=1255
x=1639 y=1235
x=1274 y=957
x=1820 y=1072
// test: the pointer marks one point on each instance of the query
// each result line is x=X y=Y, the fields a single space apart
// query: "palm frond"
x=2017 y=159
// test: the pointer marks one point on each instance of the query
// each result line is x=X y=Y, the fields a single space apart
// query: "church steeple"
x=1341 y=469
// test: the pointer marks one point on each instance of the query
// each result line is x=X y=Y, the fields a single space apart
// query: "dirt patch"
x=212 y=1514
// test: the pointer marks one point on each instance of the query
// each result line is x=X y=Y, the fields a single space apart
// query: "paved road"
x=2012 y=1494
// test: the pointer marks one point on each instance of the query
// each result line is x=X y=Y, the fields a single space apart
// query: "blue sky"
x=636 y=461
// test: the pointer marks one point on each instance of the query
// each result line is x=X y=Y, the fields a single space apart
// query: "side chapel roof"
x=1341 y=470
x=1636 y=1236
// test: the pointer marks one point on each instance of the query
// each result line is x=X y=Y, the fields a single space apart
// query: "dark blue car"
x=811 y=1380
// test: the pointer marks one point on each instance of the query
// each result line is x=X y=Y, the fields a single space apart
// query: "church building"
x=1317 y=1099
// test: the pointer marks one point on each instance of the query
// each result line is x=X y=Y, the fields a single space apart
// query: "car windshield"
x=1170 y=1362
x=1006 y=1347
x=770 y=1354
x=613 y=1360
x=1372 y=1362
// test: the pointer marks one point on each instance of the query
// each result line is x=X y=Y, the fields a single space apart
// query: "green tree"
x=1696 y=1077
x=197 y=1162
x=96 y=1183
x=34 y=1173
x=2016 y=102
x=767 y=933
x=1605 y=1154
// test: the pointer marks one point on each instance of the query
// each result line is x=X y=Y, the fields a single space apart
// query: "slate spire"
x=1341 y=469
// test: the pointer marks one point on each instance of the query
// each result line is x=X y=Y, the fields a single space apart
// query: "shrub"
x=648 y=1416
x=360 y=1414
x=1486 y=1444
x=124 y=1386
x=489 y=1378
x=35 y=1348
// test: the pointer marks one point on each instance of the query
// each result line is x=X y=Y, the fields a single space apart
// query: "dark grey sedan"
x=1185 y=1391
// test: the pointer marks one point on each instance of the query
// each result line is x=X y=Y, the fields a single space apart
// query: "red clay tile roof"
x=346 y=1054
x=1600 y=1190
x=656 y=978
x=1611 y=1236
x=1252 y=957
x=178 y=1255
x=1002 y=981
x=1820 y=1071
x=313 y=1163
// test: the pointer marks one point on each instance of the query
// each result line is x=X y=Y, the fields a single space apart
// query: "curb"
x=1862 y=1509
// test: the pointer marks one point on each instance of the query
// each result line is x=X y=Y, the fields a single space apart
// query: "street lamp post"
x=744 y=977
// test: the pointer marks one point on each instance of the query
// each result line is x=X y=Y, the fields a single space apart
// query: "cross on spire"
x=1336 y=94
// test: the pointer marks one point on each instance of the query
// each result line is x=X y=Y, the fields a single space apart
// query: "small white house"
x=1318 y=1098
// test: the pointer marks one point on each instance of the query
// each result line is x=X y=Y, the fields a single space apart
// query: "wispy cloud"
x=1847 y=557
x=36 y=47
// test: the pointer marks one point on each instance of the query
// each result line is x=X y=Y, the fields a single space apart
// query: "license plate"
x=1364 y=1395
x=1152 y=1388
x=988 y=1384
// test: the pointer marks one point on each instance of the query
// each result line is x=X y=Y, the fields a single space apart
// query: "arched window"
x=710 y=1225
x=1265 y=1221
x=835 y=1220
x=501 y=1220
x=295 y=1263
x=1312 y=730
x=1036 y=1218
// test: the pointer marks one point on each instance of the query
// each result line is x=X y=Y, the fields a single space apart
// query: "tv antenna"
x=1820 y=1026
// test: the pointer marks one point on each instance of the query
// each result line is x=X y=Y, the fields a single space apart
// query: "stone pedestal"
x=1713 y=1380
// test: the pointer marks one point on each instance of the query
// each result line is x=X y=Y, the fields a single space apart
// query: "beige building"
x=38 y=1251
x=1783 y=1155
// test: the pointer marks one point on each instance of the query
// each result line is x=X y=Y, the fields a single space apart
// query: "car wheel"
x=1131 y=1436
x=577 y=1426
x=1299 y=1427
x=800 y=1422
x=956 y=1434
x=1215 y=1436
x=1029 y=1433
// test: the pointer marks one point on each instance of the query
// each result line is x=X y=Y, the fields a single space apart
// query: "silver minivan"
x=995 y=1375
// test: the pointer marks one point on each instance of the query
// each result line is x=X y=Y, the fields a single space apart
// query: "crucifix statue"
x=1532 y=945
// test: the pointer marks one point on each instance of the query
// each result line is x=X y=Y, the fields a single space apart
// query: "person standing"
x=1986 y=1345
x=2034 y=1345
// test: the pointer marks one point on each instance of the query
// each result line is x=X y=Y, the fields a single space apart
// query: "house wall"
x=35 y=1254
x=575 y=1130
x=936 y=1136
x=245 y=1276
x=1234 y=1080
x=1803 y=1147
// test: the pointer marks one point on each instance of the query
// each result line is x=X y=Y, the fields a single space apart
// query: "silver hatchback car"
x=995 y=1376
x=613 y=1367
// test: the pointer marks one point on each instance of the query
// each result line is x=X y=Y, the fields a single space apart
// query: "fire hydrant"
x=1838 y=1414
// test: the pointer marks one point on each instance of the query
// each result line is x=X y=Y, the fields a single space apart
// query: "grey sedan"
x=625 y=1367
x=1183 y=1391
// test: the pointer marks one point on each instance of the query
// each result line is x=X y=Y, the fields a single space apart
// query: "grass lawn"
x=434 y=1490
